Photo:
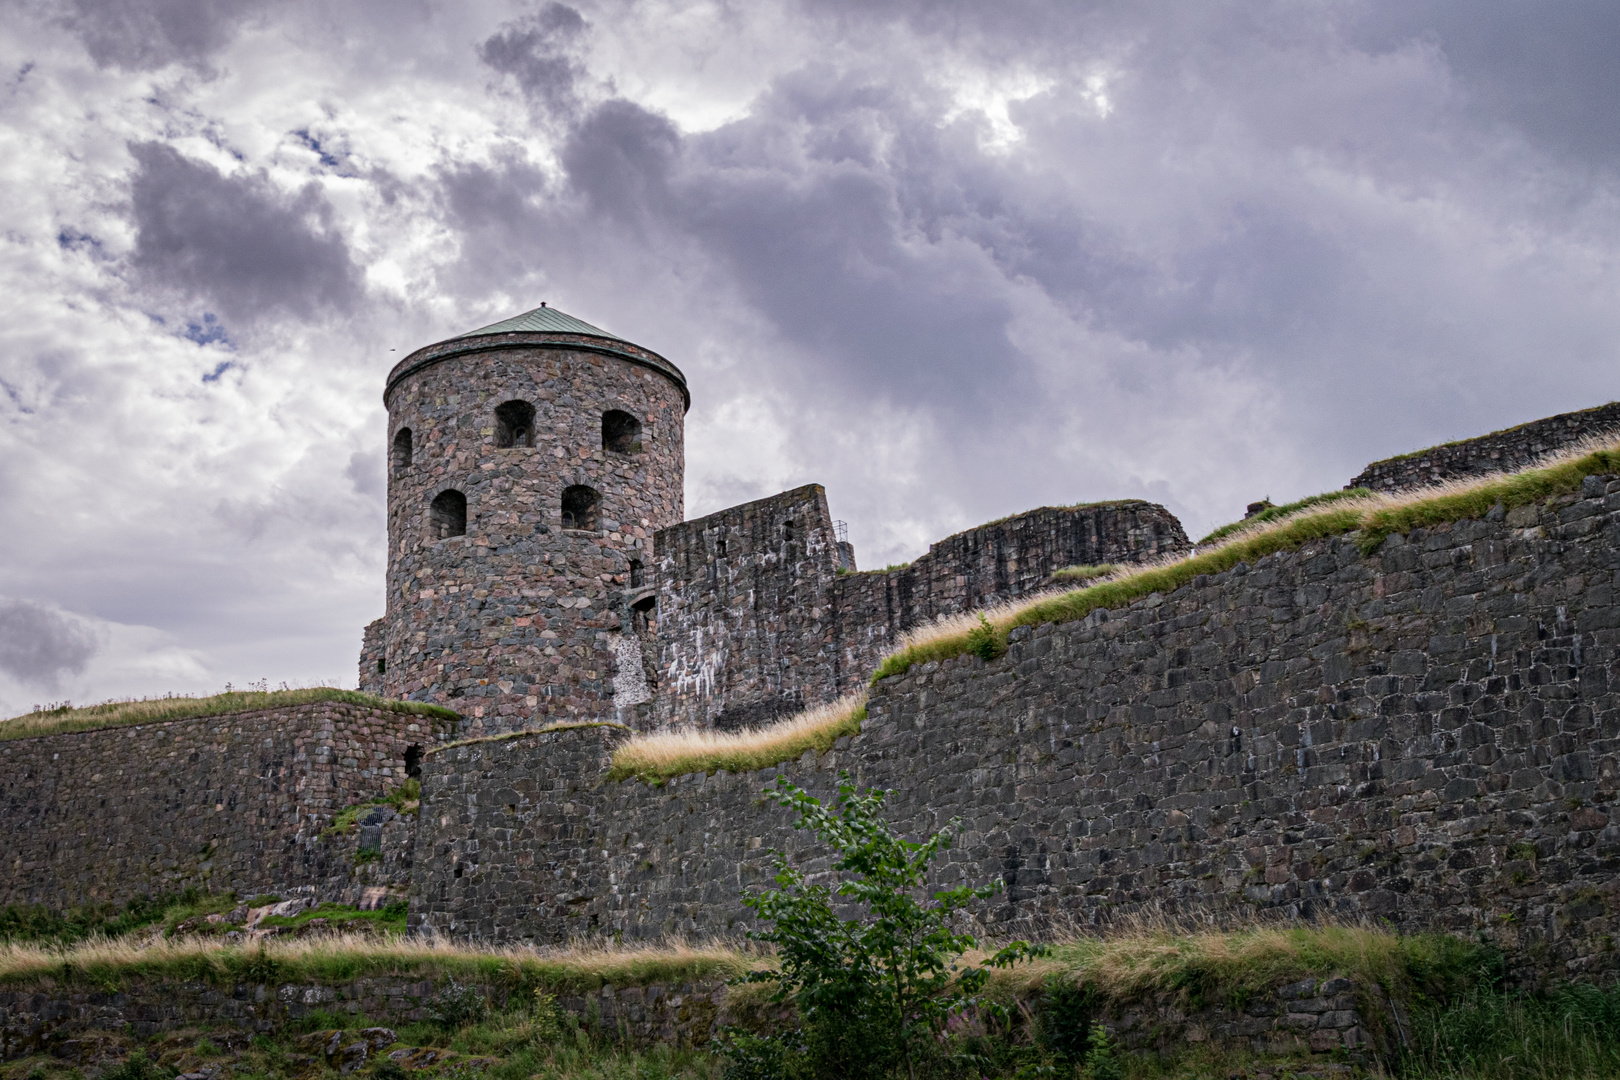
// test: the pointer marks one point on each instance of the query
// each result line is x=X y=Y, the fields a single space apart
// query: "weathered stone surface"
x=66 y=1022
x=518 y=620
x=229 y=802
x=758 y=616
x=1500 y=451
x=1428 y=736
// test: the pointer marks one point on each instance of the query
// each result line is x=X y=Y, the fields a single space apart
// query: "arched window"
x=447 y=516
x=621 y=432
x=402 y=449
x=581 y=507
x=514 y=424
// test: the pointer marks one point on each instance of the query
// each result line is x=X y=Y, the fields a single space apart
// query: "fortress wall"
x=771 y=625
x=1429 y=736
x=1501 y=451
x=228 y=802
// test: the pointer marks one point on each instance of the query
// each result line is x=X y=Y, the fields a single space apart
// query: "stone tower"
x=530 y=463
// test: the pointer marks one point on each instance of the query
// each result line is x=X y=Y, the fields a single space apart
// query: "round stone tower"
x=529 y=464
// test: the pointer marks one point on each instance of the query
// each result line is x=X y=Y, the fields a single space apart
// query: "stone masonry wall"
x=744 y=634
x=519 y=621
x=228 y=802
x=1428 y=736
x=75 y=1023
x=757 y=619
x=373 y=657
x=1500 y=451
x=80 y=1025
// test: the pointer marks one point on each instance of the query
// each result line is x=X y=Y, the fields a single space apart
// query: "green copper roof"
x=542 y=320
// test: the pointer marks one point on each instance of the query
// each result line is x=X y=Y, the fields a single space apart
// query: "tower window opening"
x=413 y=760
x=447 y=516
x=382 y=665
x=720 y=545
x=638 y=575
x=514 y=424
x=644 y=617
x=581 y=507
x=621 y=432
x=787 y=530
x=402 y=449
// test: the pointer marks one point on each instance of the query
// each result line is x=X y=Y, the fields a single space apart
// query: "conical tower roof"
x=542 y=320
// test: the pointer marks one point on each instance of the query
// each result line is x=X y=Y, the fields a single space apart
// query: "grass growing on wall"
x=158 y=710
x=404 y=800
x=1277 y=513
x=39 y=924
x=675 y=753
x=1374 y=518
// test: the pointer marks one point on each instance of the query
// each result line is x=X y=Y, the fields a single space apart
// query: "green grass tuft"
x=404 y=799
x=161 y=710
x=390 y=917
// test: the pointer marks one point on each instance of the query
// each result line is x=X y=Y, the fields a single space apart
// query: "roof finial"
x=542 y=303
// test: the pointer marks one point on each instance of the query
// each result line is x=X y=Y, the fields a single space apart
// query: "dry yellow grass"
x=689 y=750
x=338 y=957
x=1133 y=960
x=506 y=736
x=160 y=710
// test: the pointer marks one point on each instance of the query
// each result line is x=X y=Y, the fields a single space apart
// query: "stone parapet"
x=1501 y=451
x=219 y=803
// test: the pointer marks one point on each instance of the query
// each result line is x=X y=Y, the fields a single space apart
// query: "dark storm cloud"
x=540 y=54
x=38 y=644
x=819 y=236
x=236 y=242
x=142 y=35
x=1549 y=70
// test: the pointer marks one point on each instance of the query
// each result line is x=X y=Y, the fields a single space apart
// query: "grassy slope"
x=159 y=710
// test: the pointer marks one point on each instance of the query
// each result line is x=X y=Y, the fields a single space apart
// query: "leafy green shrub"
x=1063 y=1022
x=547 y=1017
x=984 y=642
x=1102 y=1060
x=874 y=992
x=456 y=1005
x=137 y=1067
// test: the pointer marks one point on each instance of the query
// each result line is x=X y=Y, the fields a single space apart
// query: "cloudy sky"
x=952 y=260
